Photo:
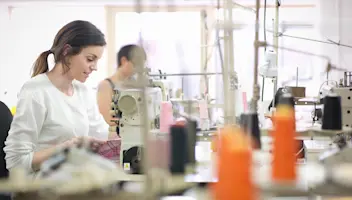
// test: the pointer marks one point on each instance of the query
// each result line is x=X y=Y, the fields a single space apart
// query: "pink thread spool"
x=166 y=116
x=158 y=152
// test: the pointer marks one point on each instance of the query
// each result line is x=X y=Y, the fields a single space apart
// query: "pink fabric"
x=111 y=150
x=166 y=116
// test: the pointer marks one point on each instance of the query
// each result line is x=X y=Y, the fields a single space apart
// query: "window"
x=32 y=31
x=290 y=24
x=171 y=40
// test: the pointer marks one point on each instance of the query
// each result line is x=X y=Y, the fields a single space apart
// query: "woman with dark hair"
x=54 y=108
x=125 y=70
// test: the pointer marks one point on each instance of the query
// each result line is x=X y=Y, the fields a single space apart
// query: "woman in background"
x=125 y=71
x=54 y=108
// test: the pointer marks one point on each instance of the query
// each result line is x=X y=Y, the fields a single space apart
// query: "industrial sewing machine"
x=131 y=125
x=341 y=153
x=166 y=88
x=344 y=89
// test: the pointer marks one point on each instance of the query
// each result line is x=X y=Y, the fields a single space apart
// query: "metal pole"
x=204 y=52
x=232 y=80
x=228 y=68
x=276 y=49
x=256 y=89
x=145 y=134
x=225 y=70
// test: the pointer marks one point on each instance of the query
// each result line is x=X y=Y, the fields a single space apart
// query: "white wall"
x=335 y=24
x=309 y=67
x=10 y=40
x=5 y=47
x=30 y=31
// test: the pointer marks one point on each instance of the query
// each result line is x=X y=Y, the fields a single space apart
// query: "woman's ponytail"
x=41 y=64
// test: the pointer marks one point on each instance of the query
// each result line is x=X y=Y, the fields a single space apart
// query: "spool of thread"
x=287 y=99
x=178 y=149
x=250 y=124
x=332 y=114
x=284 y=145
x=234 y=167
x=191 y=141
x=166 y=116
x=152 y=152
x=158 y=152
x=244 y=122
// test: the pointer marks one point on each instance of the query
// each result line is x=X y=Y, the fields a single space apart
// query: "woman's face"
x=83 y=64
x=138 y=59
x=127 y=67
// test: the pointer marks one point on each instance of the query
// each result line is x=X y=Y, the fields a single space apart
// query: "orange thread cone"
x=234 y=167
x=284 y=145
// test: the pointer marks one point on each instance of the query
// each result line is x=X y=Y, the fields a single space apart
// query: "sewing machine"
x=346 y=104
x=131 y=123
x=344 y=90
x=165 y=86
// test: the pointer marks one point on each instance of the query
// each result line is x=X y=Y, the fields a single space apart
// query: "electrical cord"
x=323 y=85
x=311 y=39
x=317 y=113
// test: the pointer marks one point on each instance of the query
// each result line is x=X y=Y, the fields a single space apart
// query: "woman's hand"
x=94 y=143
x=70 y=143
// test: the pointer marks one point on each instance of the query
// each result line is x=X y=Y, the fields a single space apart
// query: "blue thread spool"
x=178 y=149
x=332 y=114
x=250 y=124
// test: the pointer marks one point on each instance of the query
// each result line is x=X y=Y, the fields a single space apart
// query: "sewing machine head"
x=165 y=86
x=130 y=103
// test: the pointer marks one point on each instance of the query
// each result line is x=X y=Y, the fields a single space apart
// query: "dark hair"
x=127 y=51
x=76 y=35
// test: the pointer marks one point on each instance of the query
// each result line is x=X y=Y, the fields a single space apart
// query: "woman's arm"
x=23 y=134
x=104 y=97
x=40 y=156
